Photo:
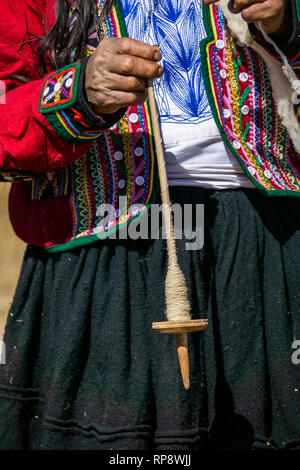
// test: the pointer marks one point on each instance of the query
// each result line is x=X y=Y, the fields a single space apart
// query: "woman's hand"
x=269 y=12
x=117 y=73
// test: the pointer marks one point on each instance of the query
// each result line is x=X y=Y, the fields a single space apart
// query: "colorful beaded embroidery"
x=60 y=90
x=120 y=163
x=244 y=109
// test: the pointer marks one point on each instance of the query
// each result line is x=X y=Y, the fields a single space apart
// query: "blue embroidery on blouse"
x=182 y=84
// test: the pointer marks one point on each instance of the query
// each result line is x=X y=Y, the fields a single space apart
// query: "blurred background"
x=11 y=254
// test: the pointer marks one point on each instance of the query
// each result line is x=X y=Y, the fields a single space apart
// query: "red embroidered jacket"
x=46 y=131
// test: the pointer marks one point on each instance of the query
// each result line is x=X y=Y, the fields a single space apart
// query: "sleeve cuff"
x=65 y=106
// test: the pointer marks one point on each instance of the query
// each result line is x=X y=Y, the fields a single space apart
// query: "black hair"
x=65 y=38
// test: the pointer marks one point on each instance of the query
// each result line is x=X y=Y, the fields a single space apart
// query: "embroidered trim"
x=238 y=90
x=60 y=89
x=69 y=130
x=121 y=162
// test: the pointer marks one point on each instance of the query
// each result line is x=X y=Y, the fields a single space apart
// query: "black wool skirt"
x=85 y=370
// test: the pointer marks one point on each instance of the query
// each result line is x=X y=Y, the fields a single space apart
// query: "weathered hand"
x=269 y=12
x=117 y=73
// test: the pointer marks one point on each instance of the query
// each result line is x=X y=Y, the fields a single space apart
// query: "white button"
x=121 y=184
x=250 y=145
x=133 y=118
x=57 y=87
x=46 y=91
x=220 y=44
x=135 y=210
x=69 y=83
x=251 y=170
x=245 y=110
x=113 y=127
x=268 y=174
x=118 y=155
x=227 y=113
x=139 y=180
x=139 y=151
x=223 y=73
x=236 y=144
x=243 y=76
x=50 y=176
